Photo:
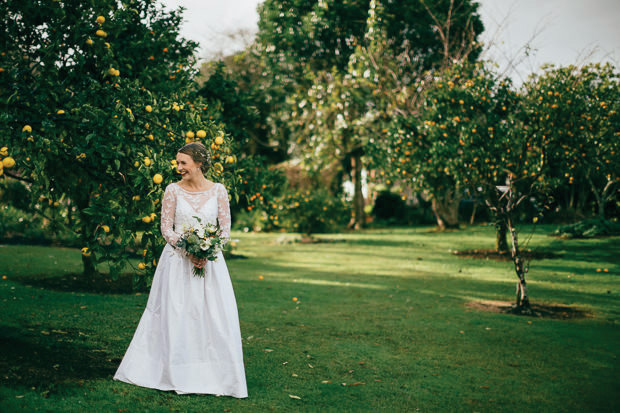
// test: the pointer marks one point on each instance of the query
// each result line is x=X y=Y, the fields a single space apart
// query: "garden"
x=411 y=231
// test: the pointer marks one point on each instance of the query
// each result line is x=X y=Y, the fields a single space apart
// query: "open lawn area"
x=381 y=323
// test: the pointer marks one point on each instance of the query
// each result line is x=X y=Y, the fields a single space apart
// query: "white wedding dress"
x=188 y=339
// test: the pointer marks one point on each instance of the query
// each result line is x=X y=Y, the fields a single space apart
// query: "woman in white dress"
x=188 y=339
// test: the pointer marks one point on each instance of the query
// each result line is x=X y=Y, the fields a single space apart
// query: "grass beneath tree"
x=382 y=322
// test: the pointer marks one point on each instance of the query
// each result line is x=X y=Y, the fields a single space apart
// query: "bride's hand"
x=198 y=262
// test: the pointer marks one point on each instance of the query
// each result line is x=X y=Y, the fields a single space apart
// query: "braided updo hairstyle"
x=199 y=154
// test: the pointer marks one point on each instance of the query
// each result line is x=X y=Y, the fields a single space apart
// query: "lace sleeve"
x=168 y=209
x=223 y=211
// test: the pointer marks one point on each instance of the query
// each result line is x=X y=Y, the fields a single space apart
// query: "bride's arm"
x=168 y=209
x=223 y=212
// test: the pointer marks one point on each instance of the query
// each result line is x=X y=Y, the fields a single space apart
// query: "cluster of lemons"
x=6 y=161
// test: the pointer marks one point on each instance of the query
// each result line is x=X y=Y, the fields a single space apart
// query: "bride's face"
x=187 y=167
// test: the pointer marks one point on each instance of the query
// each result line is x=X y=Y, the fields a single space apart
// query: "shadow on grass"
x=48 y=359
x=100 y=283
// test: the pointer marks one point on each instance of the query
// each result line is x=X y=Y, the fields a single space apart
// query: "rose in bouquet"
x=202 y=241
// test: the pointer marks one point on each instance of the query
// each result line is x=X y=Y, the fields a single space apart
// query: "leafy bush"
x=391 y=209
x=309 y=212
x=589 y=228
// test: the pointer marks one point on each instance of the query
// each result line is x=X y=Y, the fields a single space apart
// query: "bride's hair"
x=199 y=154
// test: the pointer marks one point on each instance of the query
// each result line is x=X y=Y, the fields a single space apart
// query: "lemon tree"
x=96 y=100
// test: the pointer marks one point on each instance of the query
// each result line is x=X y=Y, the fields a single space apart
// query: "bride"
x=188 y=339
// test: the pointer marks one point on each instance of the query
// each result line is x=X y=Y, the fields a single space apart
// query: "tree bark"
x=446 y=210
x=358 y=219
x=521 y=268
x=89 y=265
x=501 y=240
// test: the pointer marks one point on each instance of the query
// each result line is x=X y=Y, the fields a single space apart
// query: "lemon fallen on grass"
x=201 y=134
x=8 y=162
x=158 y=179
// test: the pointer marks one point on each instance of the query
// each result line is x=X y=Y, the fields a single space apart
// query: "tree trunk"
x=358 y=219
x=446 y=210
x=522 y=300
x=472 y=218
x=89 y=265
x=501 y=239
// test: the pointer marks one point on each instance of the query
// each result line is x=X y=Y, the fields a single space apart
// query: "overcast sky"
x=557 y=31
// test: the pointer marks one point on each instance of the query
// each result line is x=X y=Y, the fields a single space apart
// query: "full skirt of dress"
x=188 y=339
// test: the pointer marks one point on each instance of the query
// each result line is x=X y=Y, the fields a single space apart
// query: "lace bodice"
x=179 y=207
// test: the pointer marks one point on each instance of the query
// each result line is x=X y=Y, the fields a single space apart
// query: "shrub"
x=589 y=228
x=310 y=212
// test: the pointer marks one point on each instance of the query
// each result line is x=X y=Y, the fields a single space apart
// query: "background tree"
x=489 y=148
x=96 y=99
x=349 y=80
x=576 y=111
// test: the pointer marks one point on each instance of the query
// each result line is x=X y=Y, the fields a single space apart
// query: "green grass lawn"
x=381 y=324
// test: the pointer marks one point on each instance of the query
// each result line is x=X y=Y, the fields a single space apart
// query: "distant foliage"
x=589 y=228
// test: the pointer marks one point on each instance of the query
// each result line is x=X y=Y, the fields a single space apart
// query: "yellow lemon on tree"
x=60 y=112
x=86 y=252
x=149 y=108
x=136 y=164
x=8 y=162
x=4 y=151
x=100 y=19
x=219 y=140
x=190 y=134
x=141 y=265
x=27 y=129
x=105 y=228
x=146 y=220
x=230 y=159
x=153 y=216
x=106 y=45
x=158 y=179
x=135 y=197
x=218 y=167
x=89 y=42
x=151 y=137
x=101 y=33
x=201 y=134
x=147 y=161
x=111 y=71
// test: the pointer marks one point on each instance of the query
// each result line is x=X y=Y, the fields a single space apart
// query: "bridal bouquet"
x=204 y=241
